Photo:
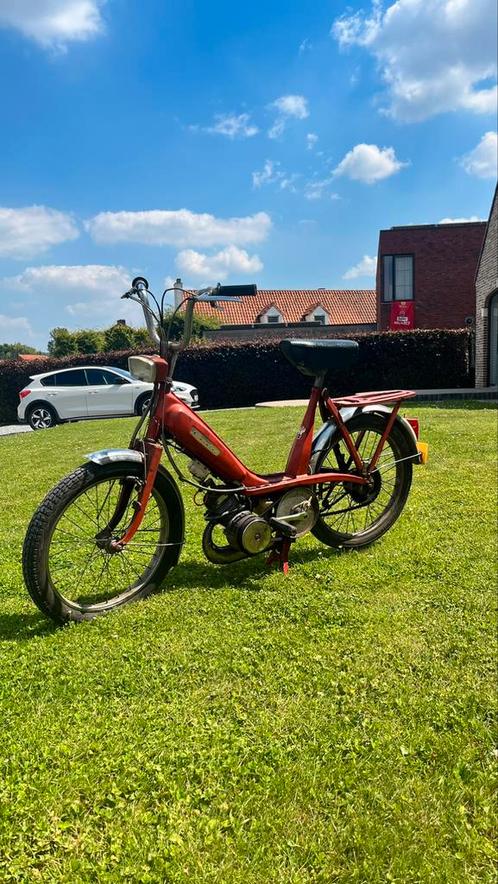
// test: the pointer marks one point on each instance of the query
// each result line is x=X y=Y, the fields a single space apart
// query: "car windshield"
x=121 y=371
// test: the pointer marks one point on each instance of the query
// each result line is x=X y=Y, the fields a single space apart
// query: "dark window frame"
x=64 y=371
x=393 y=256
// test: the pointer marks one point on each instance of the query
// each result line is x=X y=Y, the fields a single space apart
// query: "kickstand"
x=280 y=553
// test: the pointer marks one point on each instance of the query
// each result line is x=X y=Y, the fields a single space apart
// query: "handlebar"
x=236 y=291
x=139 y=293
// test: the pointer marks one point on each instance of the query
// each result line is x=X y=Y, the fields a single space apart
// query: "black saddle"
x=314 y=358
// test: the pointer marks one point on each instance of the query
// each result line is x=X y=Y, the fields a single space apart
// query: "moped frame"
x=170 y=418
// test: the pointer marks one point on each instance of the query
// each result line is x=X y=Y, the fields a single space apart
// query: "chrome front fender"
x=112 y=455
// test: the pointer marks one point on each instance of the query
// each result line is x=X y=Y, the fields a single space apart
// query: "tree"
x=62 y=342
x=199 y=324
x=141 y=337
x=12 y=351
x=89 y=341
x=119 y=337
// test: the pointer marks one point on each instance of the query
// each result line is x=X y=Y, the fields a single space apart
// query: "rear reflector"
x=23 y=394
x=414 y=424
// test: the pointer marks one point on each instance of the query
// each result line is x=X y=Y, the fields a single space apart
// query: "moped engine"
x=248 y=532
x=230 y=520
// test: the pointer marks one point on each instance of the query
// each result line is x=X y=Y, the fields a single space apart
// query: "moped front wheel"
x=72 y=568
x=354 y=515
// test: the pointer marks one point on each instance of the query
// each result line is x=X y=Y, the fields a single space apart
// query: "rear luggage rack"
x=374 y=398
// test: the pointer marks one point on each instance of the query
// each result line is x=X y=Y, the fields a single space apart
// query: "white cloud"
x=317 y=188
x=369 y=163
x=229 y=260
x=482 y=160
x=59 y=279
x=53 y=23
x=33 y=230
x=10 y=326
x=311 y=140
x=434 y=55
x=233 y=126
x=177 y=228
x=460 y=220
x=287 y=107
x=269 y=174
x=305 y=45
x=366 y=267
x=88 y=293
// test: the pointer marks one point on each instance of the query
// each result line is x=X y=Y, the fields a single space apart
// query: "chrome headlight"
x=142 y=368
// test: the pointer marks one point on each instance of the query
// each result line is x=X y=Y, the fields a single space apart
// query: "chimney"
x=178 y=291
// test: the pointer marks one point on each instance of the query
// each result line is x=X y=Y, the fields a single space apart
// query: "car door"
x=108 y=393
x=66 y=391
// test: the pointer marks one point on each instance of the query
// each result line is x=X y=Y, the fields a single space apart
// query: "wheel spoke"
x=83 y=570
x=353 y=509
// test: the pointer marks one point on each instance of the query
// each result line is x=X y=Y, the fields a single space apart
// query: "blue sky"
x=264 y=143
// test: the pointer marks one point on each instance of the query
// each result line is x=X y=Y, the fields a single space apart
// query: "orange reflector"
x=423 y=449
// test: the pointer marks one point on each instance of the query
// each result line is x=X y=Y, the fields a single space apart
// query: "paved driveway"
x=14 y=428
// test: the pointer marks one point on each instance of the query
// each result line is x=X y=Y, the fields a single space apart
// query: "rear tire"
x=69 y=574
x=41 y=416
x=343 y=529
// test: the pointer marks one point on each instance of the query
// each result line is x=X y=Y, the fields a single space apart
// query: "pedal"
x=284 y=528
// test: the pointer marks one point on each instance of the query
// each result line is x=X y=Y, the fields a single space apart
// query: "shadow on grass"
x=23 y=627
x=244 y=576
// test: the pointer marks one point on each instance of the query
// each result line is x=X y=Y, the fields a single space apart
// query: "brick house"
x=487 y=304
x=432 y=267
x=284 y=313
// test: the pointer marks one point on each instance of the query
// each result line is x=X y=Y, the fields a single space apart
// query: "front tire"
x=142 y=403
x=351 y=517
x=70 y=568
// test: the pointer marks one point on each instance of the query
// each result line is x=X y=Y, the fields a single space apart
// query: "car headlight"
x=142 y=369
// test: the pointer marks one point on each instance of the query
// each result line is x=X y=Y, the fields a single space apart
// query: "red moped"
x=108 y=533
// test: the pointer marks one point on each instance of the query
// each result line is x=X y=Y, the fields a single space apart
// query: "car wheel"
x=41 y=417
x=142 y=403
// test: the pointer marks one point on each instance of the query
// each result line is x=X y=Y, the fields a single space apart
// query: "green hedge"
x=238 y=374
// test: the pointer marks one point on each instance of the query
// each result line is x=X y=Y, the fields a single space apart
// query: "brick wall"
x=486 y=286
x=444 y=269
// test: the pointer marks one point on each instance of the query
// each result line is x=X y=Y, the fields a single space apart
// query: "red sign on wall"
x=402 y=316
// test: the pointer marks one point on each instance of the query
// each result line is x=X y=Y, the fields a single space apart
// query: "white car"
x=86 y=392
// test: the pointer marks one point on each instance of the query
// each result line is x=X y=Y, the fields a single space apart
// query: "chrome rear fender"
x=322 y=437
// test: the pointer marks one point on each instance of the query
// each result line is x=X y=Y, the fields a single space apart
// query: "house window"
x=397 y=273
x=271 y=318
x=319 y=317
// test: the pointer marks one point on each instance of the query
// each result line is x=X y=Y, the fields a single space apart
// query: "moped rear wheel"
x=352 y=515
x=71 y=567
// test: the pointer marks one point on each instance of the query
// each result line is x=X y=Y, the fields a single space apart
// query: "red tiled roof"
x=345 y=307
x=30 y=357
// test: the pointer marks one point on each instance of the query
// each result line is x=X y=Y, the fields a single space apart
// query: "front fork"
x=152 y=451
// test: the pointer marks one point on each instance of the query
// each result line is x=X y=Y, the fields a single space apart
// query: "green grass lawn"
x=331 y=726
